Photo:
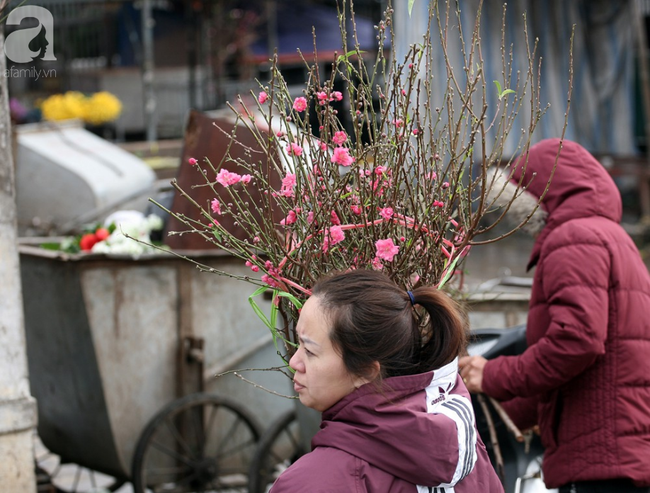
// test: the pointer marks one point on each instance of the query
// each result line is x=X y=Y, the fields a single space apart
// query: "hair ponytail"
x=444 y=332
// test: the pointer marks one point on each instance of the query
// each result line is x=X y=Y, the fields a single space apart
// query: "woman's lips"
x=297 y=386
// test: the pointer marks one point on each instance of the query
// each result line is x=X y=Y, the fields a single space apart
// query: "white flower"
x=131 y=234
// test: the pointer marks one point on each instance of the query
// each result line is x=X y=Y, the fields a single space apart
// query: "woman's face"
x=321 y=378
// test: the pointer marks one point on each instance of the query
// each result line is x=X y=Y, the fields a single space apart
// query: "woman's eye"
x=308 y=352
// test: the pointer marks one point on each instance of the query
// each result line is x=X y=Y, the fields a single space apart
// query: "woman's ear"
x=373 y=372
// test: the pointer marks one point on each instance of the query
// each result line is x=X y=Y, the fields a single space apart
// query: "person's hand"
x=471 y=369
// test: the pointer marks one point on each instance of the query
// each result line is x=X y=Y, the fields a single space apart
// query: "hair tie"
x=411 y=298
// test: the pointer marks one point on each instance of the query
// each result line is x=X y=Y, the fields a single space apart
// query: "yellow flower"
x=64 y=106
x=101 y=107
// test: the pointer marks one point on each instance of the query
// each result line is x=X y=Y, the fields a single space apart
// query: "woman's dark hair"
x=372 y=319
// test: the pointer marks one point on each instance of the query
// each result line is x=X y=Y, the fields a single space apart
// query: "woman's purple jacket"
x=417 y=436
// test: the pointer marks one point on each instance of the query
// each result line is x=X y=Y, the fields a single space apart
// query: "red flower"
x=87 y=241
x=101 y=234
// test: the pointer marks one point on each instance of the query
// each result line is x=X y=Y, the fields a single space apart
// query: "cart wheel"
x=277 y=449
x=201 y=442
x=54 y=475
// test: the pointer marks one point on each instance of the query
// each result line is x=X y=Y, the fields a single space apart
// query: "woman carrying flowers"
x=382 y=366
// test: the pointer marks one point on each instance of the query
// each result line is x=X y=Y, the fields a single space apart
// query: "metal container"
x=111 y=340
x=65 y=176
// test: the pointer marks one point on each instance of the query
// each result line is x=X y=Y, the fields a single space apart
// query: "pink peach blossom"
x=246 y=179
x=333 y=235
x=227 y=178
x=339 y=137
x=288 y=184
x=334 y=218
x=336 y=96
x=192 y=161
x=386 y=249
x=386 y=213
x=300 y=104
x=356 y=209
x=270 y=281
x=216 y=206
x=290 y=219
x=342 y=156
x=262 y=97
x=294 y=149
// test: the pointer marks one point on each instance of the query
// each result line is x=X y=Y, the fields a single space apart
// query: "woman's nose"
x=295 y=361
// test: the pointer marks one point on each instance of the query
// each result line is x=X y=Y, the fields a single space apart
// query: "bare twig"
x=257 y=386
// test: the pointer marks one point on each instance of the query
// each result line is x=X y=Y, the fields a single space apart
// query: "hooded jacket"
x=415 y=436
x=585 y=377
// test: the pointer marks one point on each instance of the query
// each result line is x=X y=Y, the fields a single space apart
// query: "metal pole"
x=17 y=406
x=148 y=71
x=642 y=40
x=190 y=27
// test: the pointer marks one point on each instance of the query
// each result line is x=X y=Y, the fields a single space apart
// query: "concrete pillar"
x=17 y=407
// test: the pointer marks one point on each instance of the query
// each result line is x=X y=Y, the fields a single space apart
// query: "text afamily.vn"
x=30 y=72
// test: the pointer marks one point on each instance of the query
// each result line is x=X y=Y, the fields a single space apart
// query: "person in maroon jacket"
x=396 y=415
x=585 y=377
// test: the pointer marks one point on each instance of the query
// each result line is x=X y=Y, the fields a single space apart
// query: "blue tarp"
x=294 y=31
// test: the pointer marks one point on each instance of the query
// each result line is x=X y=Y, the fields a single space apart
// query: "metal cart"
x=121 y=355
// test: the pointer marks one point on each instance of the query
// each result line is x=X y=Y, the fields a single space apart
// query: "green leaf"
x=271 y=321
x=503 y=93
x=449 y=271
x=51 y=246
x=345 y=58
x=258 y=311
x=411 y=2
x=296 y=302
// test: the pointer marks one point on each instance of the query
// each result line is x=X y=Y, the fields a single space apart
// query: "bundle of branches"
x=403 y=188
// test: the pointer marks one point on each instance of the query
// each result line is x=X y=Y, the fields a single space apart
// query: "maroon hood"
x=580 y=186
